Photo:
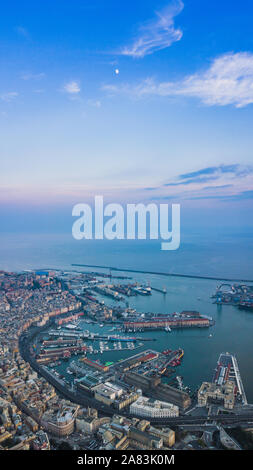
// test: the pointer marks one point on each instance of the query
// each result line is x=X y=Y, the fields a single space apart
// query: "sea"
x=214 y=256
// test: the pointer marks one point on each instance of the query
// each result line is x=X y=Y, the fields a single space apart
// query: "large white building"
x=149 y=408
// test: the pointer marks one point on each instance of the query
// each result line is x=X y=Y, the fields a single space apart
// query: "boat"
x=71 y=326
x=167 y=351
x=142 y=290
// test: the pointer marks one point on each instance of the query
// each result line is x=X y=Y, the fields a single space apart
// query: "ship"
x=142 y=290
x=246 y=304
x=167 y=351
x=71 y=326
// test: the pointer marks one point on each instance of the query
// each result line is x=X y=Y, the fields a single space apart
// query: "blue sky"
x=138 y=101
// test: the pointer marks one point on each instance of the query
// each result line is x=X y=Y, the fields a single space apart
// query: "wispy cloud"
x=243 y=195
x=22 y=32
x=212 y=173
x=240 y=196
x=9 y=96
x=73 y=88
x=33 y=76
x=228 y=81
x=156 y=34
x=95 y=103
x=220 y=186
x=199 y=179
x=232 y=182
x=203 y=171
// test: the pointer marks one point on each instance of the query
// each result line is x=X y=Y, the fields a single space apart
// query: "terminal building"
x=136 y=361
x=153 y=387
x=210 y=392
x=95 y=365
x=186 y=319
x=149 y=408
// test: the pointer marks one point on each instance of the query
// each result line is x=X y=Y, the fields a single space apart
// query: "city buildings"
x=129 y=394
x=158 y=390
x=60 y=420
x=148 y=408
x=217 y=393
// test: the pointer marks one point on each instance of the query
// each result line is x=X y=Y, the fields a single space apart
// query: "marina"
x=90 y=336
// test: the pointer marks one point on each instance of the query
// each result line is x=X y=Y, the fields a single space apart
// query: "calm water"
x=233 y=330
x=214 y=255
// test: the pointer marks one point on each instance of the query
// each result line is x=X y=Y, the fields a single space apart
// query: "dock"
x=97 y=336
x=162 y=291
x=239 y=380
x=227 y=369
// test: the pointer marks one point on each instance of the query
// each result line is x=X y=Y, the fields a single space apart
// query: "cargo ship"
x=246 y=304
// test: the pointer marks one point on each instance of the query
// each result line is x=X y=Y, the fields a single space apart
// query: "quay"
x=97 y=336
x=239 y=380
x=227 y=369
x=163 y=291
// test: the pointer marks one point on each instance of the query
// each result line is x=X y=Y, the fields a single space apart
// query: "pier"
x=163 y=291
x=97 y=336
x=239 y=380
x=190 y=276
x=227 y=369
